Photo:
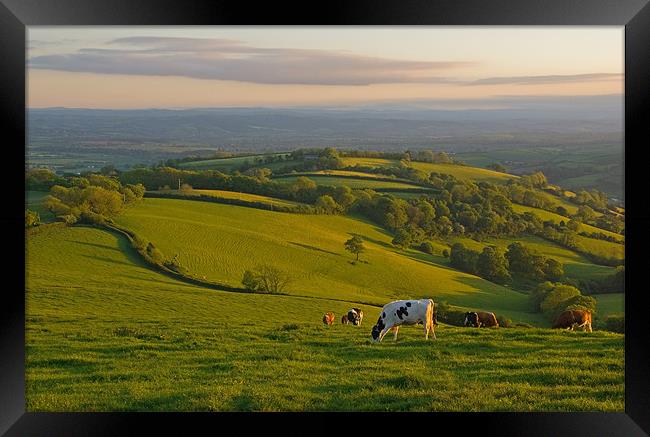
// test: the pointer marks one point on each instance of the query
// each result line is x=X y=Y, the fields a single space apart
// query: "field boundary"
x=306 y=209
x=129 y=235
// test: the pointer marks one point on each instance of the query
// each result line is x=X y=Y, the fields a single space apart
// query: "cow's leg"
x=384 y=332
x=395 y=330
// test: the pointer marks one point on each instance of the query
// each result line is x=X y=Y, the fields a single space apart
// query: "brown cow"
x=570 y=318
x=480 y=318
x=328 y=318
x=344 y=319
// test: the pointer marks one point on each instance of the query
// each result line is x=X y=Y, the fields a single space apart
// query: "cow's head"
x=376 y=330
x=471 y=319
x=354 y=317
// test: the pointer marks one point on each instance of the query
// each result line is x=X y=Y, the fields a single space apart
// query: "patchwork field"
x=557 y=218
x=459 y=171
x=235 y=195
x=125 y=338
x=355 y=183
x=229 y=164
x=576 y=266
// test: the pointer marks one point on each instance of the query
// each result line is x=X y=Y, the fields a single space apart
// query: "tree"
x=553 y=269
x=355 y=245
x=463 y=259
x=267 y=279
x=327 y=205
x=402 y=239
x=493 y=266
x=557 y=299
x=497 y=167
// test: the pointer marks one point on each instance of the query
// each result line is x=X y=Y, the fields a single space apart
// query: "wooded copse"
x=91 y=199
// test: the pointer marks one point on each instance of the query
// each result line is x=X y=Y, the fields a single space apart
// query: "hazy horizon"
x=110 y=67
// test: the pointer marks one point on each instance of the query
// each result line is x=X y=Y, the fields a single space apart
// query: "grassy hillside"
x=127 y=339
x=220 y=242
x=557 y=218
x=230 y=164
x=355 y=183
x=610 y=304
x=34 y=200
x=236 y=195
x=576 y=266
x=459 y=171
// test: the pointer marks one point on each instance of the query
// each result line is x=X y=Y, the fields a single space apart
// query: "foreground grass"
x=105 y=333
x=238 y=364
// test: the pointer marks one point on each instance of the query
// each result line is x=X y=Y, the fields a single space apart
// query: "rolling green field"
x=34 y=200
x=229 y=164
x=236 y=195
x=220 y=242
x=610 y=304
x=459 y=171
x=105 y=333
x=355 y=183
x=557 y=218
x=576 y=266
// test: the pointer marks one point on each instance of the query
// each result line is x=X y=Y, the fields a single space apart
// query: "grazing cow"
x=328 y=318
x=344 y=319
x=405 y=312
x=355 y=316
x=570 y=318
x=480 y=318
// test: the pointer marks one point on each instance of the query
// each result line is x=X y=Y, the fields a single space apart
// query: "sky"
x=114 y=67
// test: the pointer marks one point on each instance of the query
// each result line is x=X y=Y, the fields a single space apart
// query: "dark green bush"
x=615 y=324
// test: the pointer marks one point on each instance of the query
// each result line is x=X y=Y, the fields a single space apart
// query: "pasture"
x=355 y=183
x=576 y=266
x=459 y=171
x=220 y=242
x=34 y=201
x=557 y=218
x=126 y=338
x=235 y=195
x=233 y=163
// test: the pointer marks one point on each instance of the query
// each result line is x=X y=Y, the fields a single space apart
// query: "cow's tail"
x=430 y=313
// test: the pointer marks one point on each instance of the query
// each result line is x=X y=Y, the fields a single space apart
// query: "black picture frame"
x=16 y=15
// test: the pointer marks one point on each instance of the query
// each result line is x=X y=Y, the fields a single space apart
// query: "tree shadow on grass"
x=306 y=246
x=101 y=246
x=107 y=260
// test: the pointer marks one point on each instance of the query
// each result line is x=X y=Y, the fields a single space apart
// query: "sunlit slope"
x=355 y=183
x=557 y=218
x=459 y=171
x=105 y=333
x=220 y=242
x=576 y=266
x=34 y=201
x=236 y=195
x=229 y=164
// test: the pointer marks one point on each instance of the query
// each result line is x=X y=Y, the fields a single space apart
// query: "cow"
x=344 y=319
x=480 y=318
x=328 y=318
x=405 y=312
x=570 y=318
x=355 y=316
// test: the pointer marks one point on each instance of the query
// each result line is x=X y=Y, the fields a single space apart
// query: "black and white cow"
x=405 y=312
x=355 y=316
